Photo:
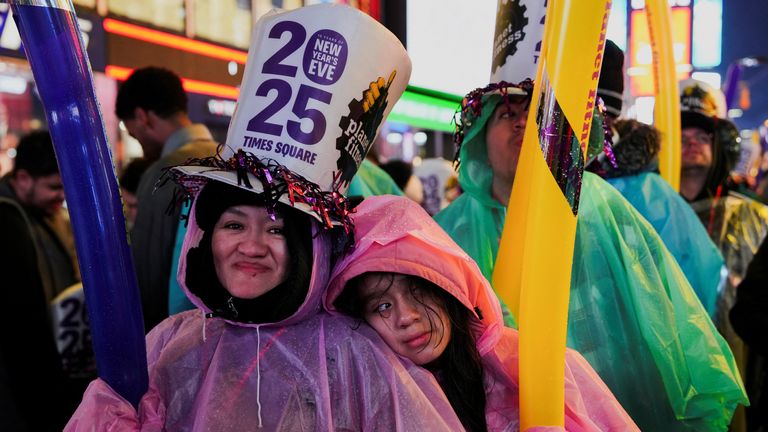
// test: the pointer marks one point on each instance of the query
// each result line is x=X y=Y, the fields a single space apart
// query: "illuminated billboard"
x=640 y=54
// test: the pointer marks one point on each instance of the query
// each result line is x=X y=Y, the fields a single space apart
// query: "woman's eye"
x=233 y=226
x=276 y=230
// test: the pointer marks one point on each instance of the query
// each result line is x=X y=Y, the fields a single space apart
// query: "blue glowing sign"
x=707 y=38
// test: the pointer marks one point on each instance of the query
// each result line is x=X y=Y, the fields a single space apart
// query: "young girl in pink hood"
x=429 y=302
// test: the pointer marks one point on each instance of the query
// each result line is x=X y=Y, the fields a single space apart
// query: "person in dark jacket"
x=39 y=390
x=749 y=318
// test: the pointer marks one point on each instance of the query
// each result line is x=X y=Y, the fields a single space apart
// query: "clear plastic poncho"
x=309 y=372
x=632 y=313
x=678 y=227
x=737 y=224
x=394 y=234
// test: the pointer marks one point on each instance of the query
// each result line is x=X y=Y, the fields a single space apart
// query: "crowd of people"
x=275 y=296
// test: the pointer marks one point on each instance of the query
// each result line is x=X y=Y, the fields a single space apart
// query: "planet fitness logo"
x=510 y=25
x=359 y=127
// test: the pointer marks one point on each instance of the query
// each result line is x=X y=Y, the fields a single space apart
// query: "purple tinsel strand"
x=608 y=134
x=276 y=180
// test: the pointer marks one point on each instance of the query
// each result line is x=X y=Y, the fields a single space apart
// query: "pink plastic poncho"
x=394 y=234
x=310 y=372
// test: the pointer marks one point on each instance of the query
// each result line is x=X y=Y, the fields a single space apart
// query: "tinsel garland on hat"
x=331 y=207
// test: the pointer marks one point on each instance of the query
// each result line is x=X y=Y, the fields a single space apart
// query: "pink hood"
x=394 y=234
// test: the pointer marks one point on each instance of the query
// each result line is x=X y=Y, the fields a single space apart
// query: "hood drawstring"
x=258 y=374
x=258 y=356
x=205 y=319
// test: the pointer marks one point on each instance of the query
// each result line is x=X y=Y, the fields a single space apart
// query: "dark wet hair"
x=35 y=155
x=400 y=171
x=152 y=89
x=129 y=179
x=201 y=279
x=459 y=370
x=636 y=151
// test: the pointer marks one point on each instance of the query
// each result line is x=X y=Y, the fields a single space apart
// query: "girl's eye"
x=383 y=307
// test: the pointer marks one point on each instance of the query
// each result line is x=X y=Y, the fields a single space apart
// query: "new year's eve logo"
x=510 y=26
x=359 y=127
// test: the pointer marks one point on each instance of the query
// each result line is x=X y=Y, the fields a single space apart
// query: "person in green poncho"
x=632 y=312
x=371 y=180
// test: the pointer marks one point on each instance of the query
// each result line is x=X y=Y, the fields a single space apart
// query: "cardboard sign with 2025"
x=323 y=63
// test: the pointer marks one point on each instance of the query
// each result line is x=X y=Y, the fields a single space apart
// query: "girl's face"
x=249 y=251
x=411 y=320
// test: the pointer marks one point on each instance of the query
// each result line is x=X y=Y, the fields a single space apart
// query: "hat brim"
x=511 y=91
x=188 y=177
x=696 y=119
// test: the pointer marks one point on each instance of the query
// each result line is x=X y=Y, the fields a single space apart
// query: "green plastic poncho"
x=371 y=180
x=677 y=225
x=632 y=312
x=637 y=320
x=474 y=219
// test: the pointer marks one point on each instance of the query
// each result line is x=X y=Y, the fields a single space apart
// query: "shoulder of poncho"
x=353 y=339
x=172 y=325
x=748 y=202
x=448 y=217
x=597 y=193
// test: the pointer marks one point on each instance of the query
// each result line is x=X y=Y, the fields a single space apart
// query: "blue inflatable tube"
x=56 y=53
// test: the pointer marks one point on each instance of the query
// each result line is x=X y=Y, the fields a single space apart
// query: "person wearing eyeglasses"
x=735 y=222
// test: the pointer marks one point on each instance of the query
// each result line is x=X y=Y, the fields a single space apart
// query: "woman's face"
x=411 y=321
x=249 y=251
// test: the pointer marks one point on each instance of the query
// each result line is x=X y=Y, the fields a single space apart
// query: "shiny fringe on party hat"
x=318 y=83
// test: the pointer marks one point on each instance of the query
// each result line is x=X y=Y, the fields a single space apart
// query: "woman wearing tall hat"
x=258 y=352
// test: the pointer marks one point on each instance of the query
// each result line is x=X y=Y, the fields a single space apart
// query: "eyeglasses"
x=700 y=137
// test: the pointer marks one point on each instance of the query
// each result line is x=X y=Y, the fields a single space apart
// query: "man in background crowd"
x=129 y=184
x=153 y=106
x=42 y=376
x=735 y=222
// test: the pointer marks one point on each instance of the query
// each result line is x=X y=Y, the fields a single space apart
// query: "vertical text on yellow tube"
x=533 y=268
